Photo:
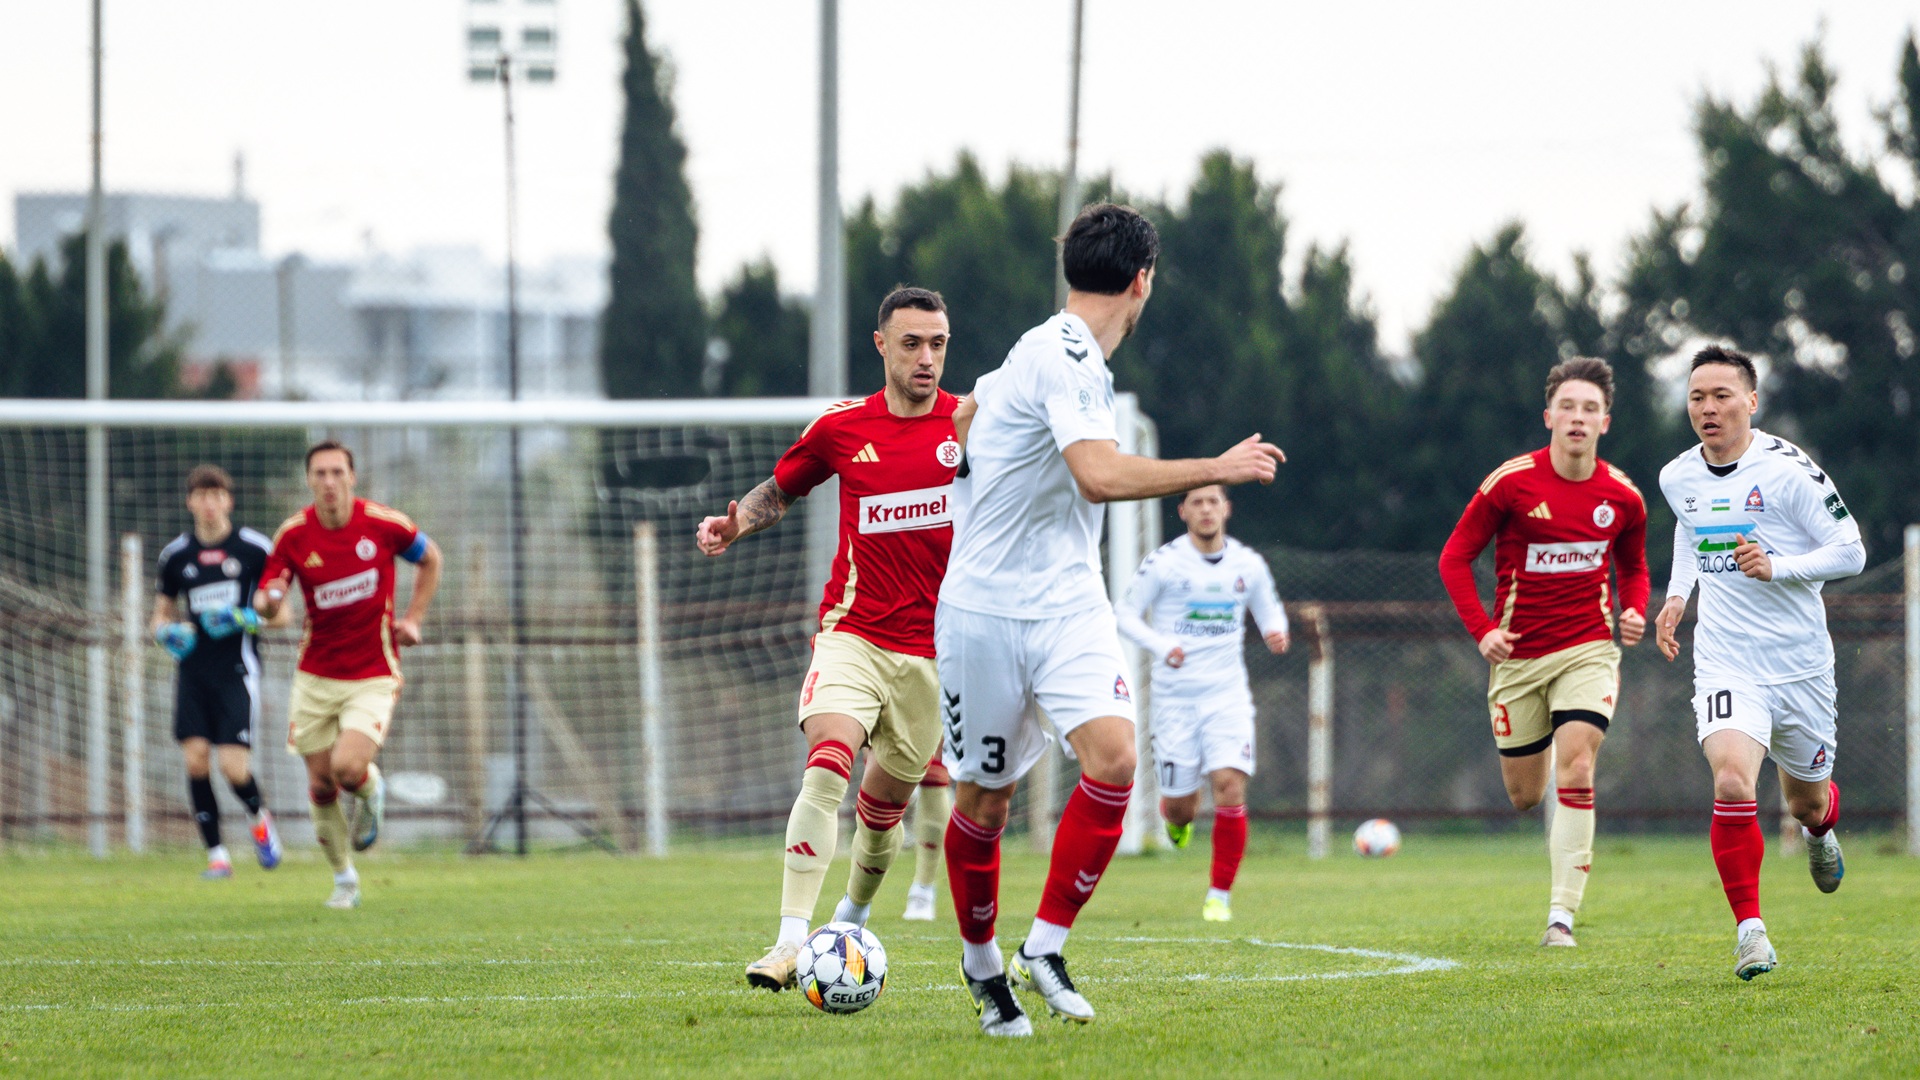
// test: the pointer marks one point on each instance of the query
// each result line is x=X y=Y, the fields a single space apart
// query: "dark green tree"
x=1483 y=358
x=765 y=336
x=1800 y=250
x=653 y=336
x=987 y=249
x=43 y=330
x=1337 y=489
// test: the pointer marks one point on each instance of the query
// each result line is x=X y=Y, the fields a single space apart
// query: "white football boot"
x=346 y=896
x=1000 y=1014
x=919 y=904
x=1823 y=860
x=1753 y=954
x=1047 y=976
x=1558 y=935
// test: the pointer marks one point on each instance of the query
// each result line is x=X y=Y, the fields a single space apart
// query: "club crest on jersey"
x=1755 y=504
x=230 y=567
x=1603 y=515
x=364 y=549
x=947 y=454
x=1120 y=692
x=1239 y=584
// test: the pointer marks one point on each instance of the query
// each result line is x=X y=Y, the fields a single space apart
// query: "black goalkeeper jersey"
x=199 y=576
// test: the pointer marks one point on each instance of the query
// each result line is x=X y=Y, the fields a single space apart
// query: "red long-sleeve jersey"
x=1551 y=556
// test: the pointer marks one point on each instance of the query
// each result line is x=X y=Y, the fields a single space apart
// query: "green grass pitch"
x=586 y=965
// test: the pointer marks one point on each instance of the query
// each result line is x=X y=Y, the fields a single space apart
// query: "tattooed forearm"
x=763 y=507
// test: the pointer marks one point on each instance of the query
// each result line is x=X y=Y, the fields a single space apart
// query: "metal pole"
x=517 y=514
x=283 y=275
x=1070 y=179
x=1123 y=555
x=827 y=356
x=97 y=676
x=1913 y=689
x=1319 y=730
x=653 y=747
x=133 y=663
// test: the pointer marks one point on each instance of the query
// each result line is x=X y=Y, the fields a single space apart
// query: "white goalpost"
x=658 y=683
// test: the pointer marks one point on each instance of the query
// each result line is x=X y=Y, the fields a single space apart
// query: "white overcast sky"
x=1411 y=130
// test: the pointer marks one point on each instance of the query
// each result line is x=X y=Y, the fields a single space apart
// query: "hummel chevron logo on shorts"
x=867 y=454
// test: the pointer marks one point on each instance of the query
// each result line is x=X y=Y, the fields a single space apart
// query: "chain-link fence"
x=1412 y=736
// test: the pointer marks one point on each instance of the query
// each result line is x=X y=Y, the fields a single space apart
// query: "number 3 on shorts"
x=996 y=760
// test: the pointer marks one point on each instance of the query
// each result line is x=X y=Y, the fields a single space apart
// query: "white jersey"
x=1200 y=603
x=1029 y=546
x=1766 y=632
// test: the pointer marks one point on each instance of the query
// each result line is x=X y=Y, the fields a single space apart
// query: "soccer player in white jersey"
x=1760 y=528
x=1024 y=619
x=1199 y=589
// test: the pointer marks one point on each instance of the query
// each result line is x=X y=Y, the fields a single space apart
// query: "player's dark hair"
x=1106 y=247
x=1718 y=354
x=325 y=445
x=1586 y=369
x=204 y=477
x=910 y=296
x=1224 y=495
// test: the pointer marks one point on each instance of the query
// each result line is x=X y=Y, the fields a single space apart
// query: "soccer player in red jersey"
x=1561 y=514
x=872 y=681
x=342 y=550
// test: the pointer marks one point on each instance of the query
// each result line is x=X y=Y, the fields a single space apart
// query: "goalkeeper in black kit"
x=203 y=616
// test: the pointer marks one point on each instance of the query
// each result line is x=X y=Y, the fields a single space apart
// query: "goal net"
x=657 y=685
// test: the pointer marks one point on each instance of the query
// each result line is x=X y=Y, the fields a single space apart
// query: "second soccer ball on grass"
x=1376 y=839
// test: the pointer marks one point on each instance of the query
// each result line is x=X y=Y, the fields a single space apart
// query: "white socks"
x=793 y=930
x=1561 y=916
x=1045 y=939
x=981 y=961
x=848 y=911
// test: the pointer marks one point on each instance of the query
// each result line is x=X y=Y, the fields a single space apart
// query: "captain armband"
x=416 y=550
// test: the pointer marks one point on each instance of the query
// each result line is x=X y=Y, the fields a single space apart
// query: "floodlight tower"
x=509 y=40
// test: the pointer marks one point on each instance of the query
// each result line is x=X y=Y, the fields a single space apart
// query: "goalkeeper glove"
x=225 y=620
x=178 y=638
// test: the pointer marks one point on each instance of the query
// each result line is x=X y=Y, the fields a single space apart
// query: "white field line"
x=1408 y=964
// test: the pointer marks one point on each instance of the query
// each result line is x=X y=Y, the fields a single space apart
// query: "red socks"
x=973 y=876
x=1229 y=844
x=1083 y=845
x=1738 y=847
x=1833 y=811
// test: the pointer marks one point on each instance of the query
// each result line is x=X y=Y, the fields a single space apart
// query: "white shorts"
x=1194 y=738
x=1795 y=721
x=994 y=671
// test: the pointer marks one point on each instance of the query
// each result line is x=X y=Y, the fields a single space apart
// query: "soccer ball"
x=842 y=968
x=1376 y=839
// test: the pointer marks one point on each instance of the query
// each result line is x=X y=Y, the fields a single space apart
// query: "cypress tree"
x=653 y=336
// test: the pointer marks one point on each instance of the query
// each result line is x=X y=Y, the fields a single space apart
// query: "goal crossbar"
x=68 y=412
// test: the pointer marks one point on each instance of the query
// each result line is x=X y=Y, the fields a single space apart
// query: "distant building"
x=432 y=324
